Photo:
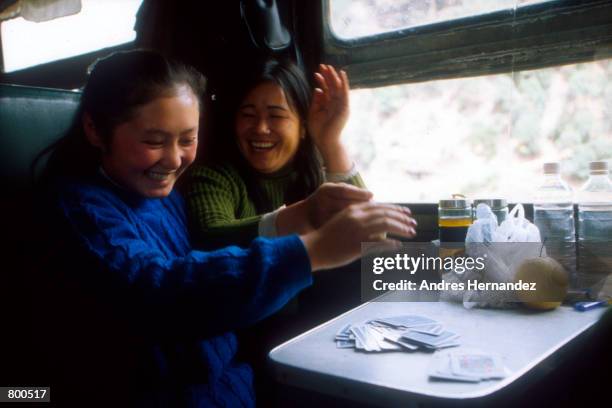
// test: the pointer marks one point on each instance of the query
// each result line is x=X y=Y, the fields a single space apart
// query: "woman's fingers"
x=391 y=226
x=345 y=90
x=397 y=213
x=333 y=84
x=375 y=209
x=339 y=240
x=335 y=80
x=335 y=205
x=332 y=198
x=388 y=218
x=321 y=81
x=318 y=93
x=392 y=215
x=318 y=101
x=346 y=87
x=323 y=85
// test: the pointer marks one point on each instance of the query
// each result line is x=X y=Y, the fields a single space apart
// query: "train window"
x=455 y=96
x=98 y=25
x=353 y=18
x=481 y=136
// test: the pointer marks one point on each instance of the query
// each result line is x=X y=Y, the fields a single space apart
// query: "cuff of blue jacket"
x=292 y=258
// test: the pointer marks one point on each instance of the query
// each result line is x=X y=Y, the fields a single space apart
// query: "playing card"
x=429 y=329
x=390 y=333
x=361 y=334
x=429 y=339
x=440 y=368
x=405 y=321
x=358 y=344
x=452 y=343
x=345 y=344
x=383 y=343
x=406 y=345
x=344 y=331
x=387 y=345
x=342 y=338
x=477 y=363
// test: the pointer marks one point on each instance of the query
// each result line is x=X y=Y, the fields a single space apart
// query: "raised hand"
x=338 y=242
x=328 y=115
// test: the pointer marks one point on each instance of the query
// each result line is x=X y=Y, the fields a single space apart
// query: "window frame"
x=542 y=35
x=42 y=66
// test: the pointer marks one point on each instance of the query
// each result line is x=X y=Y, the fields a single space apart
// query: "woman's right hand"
x=311 y=213
x=331 y=198
x=338 y=242
x=329 y=112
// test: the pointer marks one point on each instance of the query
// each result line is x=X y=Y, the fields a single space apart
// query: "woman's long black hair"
x=116 y=86
x=306 y=164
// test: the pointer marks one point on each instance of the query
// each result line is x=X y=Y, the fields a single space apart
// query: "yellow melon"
x=551 y=283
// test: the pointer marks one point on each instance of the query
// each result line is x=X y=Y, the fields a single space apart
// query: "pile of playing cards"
x=404 y=333
x=466 y=365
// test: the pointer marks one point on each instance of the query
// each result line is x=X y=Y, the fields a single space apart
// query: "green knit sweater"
x=220 y=209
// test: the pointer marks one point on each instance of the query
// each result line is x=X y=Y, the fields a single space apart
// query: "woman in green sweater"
x=267 y=179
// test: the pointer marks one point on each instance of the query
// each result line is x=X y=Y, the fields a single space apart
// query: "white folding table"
x=526 y=340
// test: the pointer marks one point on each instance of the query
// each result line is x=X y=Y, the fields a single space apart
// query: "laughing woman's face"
x=148 y=153
x=268 y=130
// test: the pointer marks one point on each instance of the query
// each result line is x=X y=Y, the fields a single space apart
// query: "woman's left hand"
x=329 y=110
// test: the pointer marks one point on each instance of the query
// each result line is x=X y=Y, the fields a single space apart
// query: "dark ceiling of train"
x=215 y=37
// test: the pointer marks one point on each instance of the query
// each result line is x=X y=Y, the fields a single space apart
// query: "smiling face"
x=268 y=130
x=148 y=153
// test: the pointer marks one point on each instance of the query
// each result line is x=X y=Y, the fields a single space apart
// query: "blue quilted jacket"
x=144 y=310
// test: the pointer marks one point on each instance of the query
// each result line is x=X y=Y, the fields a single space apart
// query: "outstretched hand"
x=329 y=110
x=331 y=198
x=309 y=214
x=338 y=242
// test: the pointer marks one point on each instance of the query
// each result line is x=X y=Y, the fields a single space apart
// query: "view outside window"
x=359 y=18
x=483 y=136
x=100 y=24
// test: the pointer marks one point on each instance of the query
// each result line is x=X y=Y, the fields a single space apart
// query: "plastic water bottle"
x=553 y=214
x=595 y=227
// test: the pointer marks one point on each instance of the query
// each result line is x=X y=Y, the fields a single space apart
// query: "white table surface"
x=523 y=338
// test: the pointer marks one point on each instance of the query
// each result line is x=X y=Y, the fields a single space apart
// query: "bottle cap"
x=598 y=167
x=454 y=204
x=552 y=168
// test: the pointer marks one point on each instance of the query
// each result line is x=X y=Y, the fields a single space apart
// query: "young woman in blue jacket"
x=137 y=315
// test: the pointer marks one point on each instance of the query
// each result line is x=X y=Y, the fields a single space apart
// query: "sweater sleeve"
x=356 y=180
x=350 y=177
x=214 y=198
x=199 y=294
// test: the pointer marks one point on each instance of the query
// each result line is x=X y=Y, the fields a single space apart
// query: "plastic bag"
x=484 y=229
x=517 y=228
x=503 y=249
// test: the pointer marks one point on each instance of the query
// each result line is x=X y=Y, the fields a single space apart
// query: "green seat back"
x=30 y=119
